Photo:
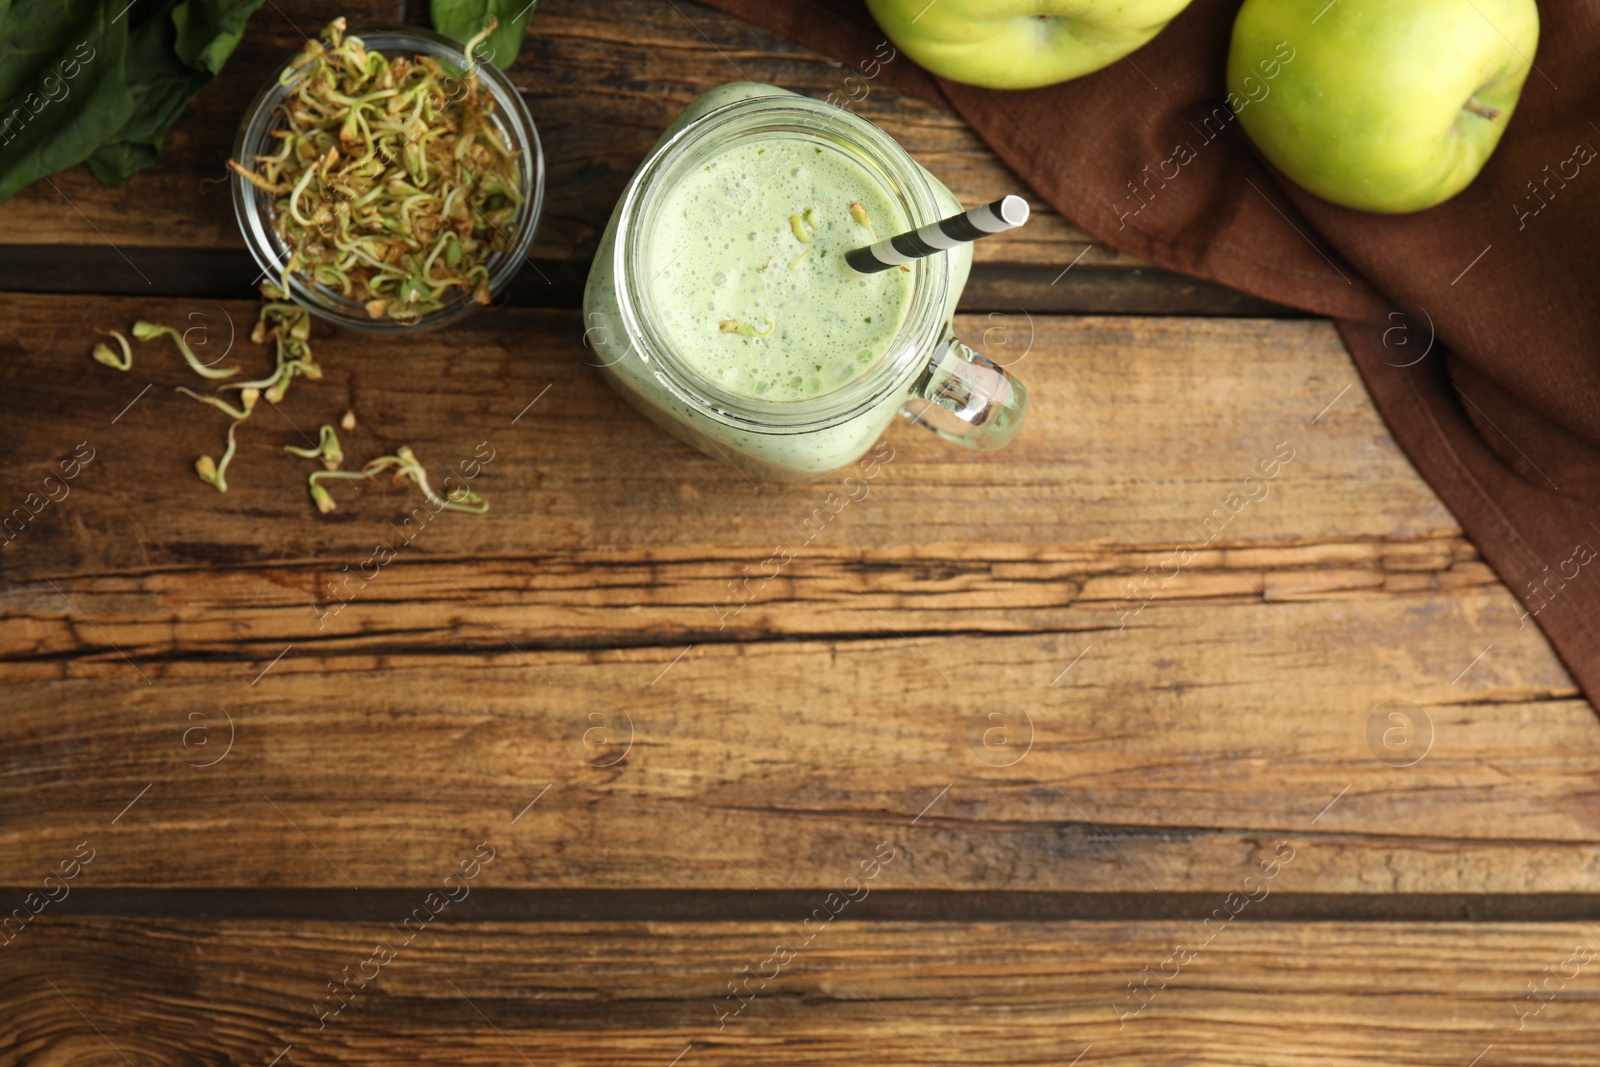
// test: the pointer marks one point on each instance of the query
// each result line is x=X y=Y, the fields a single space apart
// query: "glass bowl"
x=254 y=207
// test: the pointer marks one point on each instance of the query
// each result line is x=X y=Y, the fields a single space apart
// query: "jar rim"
x=253 y=207
x=803 y=117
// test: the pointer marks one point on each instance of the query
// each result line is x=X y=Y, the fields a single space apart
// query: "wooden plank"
x=850 y=693
x=652 y=994
x=754 y=765
x=1108 y=289
x=1140 y=428
x=602 y=80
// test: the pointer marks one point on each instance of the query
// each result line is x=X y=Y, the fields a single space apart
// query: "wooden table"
x=976 y=778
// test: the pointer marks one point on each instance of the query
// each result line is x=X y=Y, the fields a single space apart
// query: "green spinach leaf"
x=465 y=19
x=79 y=83
x=172 y=55
x=62 y=86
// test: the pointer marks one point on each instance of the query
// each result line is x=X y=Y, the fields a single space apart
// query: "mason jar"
x=925 y=374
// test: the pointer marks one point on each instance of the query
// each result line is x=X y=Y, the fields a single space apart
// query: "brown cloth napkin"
x=1502 y=414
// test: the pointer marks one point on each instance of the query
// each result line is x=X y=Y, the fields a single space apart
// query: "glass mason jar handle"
x=964 y=397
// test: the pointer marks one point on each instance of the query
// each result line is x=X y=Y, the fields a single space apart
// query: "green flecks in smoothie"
x=821 y=324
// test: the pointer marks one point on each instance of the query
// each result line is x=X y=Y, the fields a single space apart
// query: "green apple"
x=1380 y=105
x=1020 y=44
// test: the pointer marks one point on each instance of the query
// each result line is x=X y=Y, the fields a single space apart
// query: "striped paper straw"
x=1004 y=214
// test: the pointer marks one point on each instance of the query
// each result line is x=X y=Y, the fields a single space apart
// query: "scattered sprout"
x=406 y=467
x=859 y=213
x=147 y=331
x=103 y=354
x=210 y=471
x=288 y=326
x=322 y=499
x=213 y=473
x=247 y=401
x=327 y=450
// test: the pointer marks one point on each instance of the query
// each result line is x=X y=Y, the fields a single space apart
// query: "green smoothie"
x=748 y=275
x=716 y=261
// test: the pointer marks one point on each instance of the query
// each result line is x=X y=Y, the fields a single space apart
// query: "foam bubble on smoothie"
x=748 y=274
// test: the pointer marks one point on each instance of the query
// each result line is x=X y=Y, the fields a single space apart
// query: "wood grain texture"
x=1139 y=429
x=851 y=691
x=602 y=80
x=983 y=663
x=91 y=991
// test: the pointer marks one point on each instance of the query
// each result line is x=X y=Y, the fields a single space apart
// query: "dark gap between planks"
x=883 y=905
x=230 y=274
